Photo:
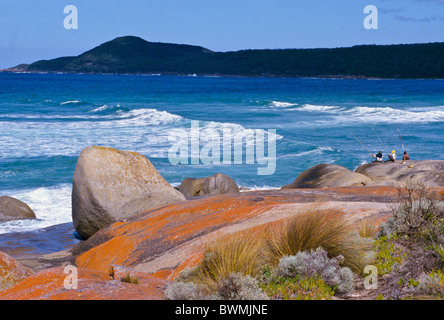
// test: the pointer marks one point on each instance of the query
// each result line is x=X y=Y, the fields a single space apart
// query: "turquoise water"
x=47 y=119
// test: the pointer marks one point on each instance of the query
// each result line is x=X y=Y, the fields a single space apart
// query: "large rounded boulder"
x=110 y=185
x=14 y=209
x=215 y=185
x=328 y=175
x=219 y=184
x=192 y=187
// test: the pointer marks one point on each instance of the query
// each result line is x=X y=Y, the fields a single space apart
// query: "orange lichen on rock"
x=157 y=230
x=193 y=261
x=154 y=246
x=11 y=272
x=50 y=284
x=153 y=233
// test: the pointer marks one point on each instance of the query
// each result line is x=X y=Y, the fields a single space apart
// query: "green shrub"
x=433 y=284
x=316 y=263
x=410 y=245
x=419 y=213
x=180 y=290
x=235 y=286
x=388 y=254
x=312 y=288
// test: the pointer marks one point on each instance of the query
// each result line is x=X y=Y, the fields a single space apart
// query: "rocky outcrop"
x=110 y=185
x=328 y=175
x=14 y=209
x=154 y=246
x=165 y=240
x=11 y=272
x=53 y=284
x=429 y=172
x=215 y=185
x=219 y=184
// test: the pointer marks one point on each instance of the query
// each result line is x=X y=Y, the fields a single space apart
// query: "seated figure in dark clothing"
x=378 y=157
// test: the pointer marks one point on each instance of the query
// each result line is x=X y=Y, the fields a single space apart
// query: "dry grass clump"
x=313 y=228
x=237 y=253
x=368 y=227
x=129 y=279
x=226 y=272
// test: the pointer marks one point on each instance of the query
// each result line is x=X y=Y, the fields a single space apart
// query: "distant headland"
x=133 y=55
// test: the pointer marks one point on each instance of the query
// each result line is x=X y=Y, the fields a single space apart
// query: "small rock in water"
x=14 y=209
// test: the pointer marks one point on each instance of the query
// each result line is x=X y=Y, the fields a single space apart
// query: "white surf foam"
x=318 y=108
x=318 y=150
x=367 y=114
x=134 y=117
x=70 y=102
x=279 y=104
x=101 y=108
x=258 y=188
x=388 y=114
x=142 y=130
x=142 y=117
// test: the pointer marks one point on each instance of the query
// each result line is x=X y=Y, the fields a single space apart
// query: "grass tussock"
x=237 y=253
x=129 y=279
x=368 y=227
x=313 y=228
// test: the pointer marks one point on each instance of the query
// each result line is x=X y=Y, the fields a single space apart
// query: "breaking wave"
x=278 y=104
x=372 y=114
x=388 y=114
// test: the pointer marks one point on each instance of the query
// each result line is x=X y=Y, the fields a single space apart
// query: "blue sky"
x=31 y=30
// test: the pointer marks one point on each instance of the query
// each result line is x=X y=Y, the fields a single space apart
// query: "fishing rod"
x=364 y=146
x=401 y=139
x=383 y=146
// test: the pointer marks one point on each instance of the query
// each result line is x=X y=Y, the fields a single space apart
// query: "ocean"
x=46 y=120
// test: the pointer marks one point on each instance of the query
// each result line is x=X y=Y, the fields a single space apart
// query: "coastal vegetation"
x=308 y=256
x=409 y=246
x=134 y=55
x=316 y=255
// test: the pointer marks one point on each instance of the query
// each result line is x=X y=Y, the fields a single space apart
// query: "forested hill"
x=136 y=56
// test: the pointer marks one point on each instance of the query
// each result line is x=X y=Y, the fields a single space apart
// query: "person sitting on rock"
x=392 y=156
x=378 y=157
x=406 y=156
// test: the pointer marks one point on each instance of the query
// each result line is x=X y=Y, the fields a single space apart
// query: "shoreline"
x=271 y=76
